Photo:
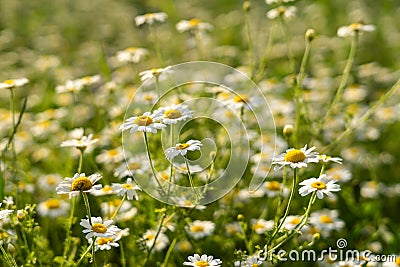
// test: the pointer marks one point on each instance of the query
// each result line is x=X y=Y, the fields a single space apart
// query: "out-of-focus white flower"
x=128 y=188
x=81 y=143
x=150 y=18
x=194 y=25
x=174 y=113
x=354 y=28
x=285 y=12
x=155 y=72
x=261 y=226
x=53 y=208
x=200 y=229
x=13 y=83
x=132 y=54
x=150 y=237
x=4 y=213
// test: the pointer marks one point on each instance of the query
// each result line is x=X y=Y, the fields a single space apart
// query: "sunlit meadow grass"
x=84 y=176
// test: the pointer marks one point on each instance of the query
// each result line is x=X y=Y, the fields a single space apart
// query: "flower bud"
x=240 y=217
x=310 y=35
x=246 y=6
x=288 y=130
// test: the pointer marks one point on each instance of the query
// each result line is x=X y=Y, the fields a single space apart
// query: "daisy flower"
x=354 y=28
x=13 y=83
x=161 y=242
x=128 y=188
x=184 y=202
x=132 y=54
x=81 y=143
x=4 y=213
x=143 y=123
x=98 y=228
x=296 y=158
x=202 y=261
x=69 y=86
x=155 y=72
x=252 y=261
x=136 y=165
x=261 y=226
x=285 y=12
x=173 y=114
x=183 y=148
x=200 y=229
x=194 y=25
x=270 y=2
x=291 y=222
x=89 y=80
x=105 y=243
x=79 y=183
x=322 y=185
x=150 y=18
x=274 y=188
x=326 y=220
x=325 y=159
x=53 y=208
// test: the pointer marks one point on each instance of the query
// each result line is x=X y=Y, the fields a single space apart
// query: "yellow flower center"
x=254 y=265
x=202 y=263
x=155 y=71
x=81 y=184
x=281 y=10
x=99 y=228
x=104 y=240
x=325 y=219
x=355 y=26
x=295 y=221
x=143 y=120
x=3 y=235
x=274 y=186
x=241 y=99
x=258 y=226
x=294 y=156
x=50 y=180
x=52 y=203
x=173 y=114
x=197 y=228
x=149 y=15
x=115 y=202
x=148 y=97
x=9 y=82
x=397 y=262
x=318 y=185
x=135 y=165
x=150 y=237
x=182 y=146
x=187 y=203
x=87 y=79
x=107 y=189
x=127 y=186
x=131 y=49
x=112 y=152
x=194 y=22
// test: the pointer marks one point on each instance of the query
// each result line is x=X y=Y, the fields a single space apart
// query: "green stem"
x=118 y=208
x=158 y=85
x=249 y=40
x=345 y=77
x=267 y=50
x=286 y=210
x=191 y=181
x=10 y=261
x=67 y=243
x=84 y=254
x=298 y=91
x=169 y=251
x=292 y=65
x=156 y=44
x=80 y=160
x=160 y=225
x=151 y=162
x=87 y=206
x=123 y=258
x=364 y=118
x=280 y=196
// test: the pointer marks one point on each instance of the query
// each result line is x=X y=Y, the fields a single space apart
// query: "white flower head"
x=98 y=228
x=144 y=123
x=82 y=143
x=79 y=183
x=296 y=158
x=284 y=12
x=354 y=28
x=128 y=188
x=322 y=185
x=261 y=226
x=326 y=220
x=4 y=213
x=196 y=260
x=53 y=208
x=183 y=148
x=155 y=72
x=150 y=18
x=173 y=114
x=160 y=243
x=200 y=229
x=194 y=25
x=13 y=83
x=105 y=243
x=326 y=159
x=132 y=54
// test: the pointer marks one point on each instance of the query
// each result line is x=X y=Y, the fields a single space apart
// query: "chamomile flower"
x=296 y=158
x=98 y=228
x=202 y=261
x=284 y=12
x=132 y=54
x=82 y=143
x=339 y=173
x=322 y=185
x=325 y=159
x=144 y=123
x=173 y=114
x=128 y=188
x=4 y=213
x=149 y=237
x=105 y=243
x=354 y=28
x=70 y=86
x=150 y=18
x=136 y=165
x=291 y=222
x=13 y=83
x=193 y=25
x=183 y=148
x=184 y=202
x=274 y=188
x=261 y=226
x=252 y=261
x=326 y=220
x=155 y=72
x=200 y=229
x=79 y=183
x=53 y=208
